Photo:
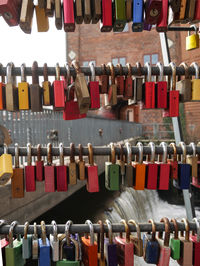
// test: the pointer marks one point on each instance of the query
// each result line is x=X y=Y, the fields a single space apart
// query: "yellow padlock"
x=23 y=91
x=6 y=170
x=192 y=41
x=196 y=83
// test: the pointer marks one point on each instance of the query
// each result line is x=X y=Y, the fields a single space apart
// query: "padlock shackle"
x=196 y=67
x=187 y=229
x=72 y=153
x=139 y=68
x=129 y=153
x=93 y=74
x=173 y=145
x=140 y=156
x=10 y=78
x=39 y=157
x=101 y=239
x=110 y=233
x=183 y=155
x=35 y=230
x=80 y=147
x=68 y=75
x=167 y=231
x=161 y=70
x=153 y=152
x=26 y=226
x=164 y=155
x=198 y=229
x=67 y=233
x=61 y=151
x=192 y=144
x=175 y=228
x=55 y=230
x=57 y=72
x=137 y=228
x=121 y=155
x=127 y=230
x=129 y=69
x=90 y=157
x=186 y=68
x=91 y=227
x=110 y=66
x=11 y=229
x=29 y=158
x=119 y=66
x=76 y=66
x=69 y=90
x=153 y=235
x=23 y=69
x=173 y=77
x=104 y=70
x=43 y=229
x=45 y=72
x=49 y=154
x=2 y=77
x=113 y=154
x=35 y=77
x=149 y=72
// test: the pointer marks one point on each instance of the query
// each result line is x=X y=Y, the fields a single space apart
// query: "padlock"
x=68 y=13
x=72 y=180
x=39 y=165
x=186 y=252
x=81 y=89
x=121 y=163
x=195 y=83
x=128 y=90
x=58 y=15
x=112 y=91
x=175 y=243
x=6 y=170
x=100 y=243
x=72 y=111
x=148 y=89
x=138 y=82
x=151 y=169
x=184 y=170
x=92 y=172
x=175 y=5
x=112 y=171
x=61 y=171
x=161 y=89
x=129 y=10
x=151 y=246
x=10 y=10
x=125 y=255
x=2 y=92
x=44 y=248
x=3 y=244
x=54 y=242
x=162 y=24
x=196 y=181
x=89 y=247
x=50 y=6
x=147 y=26
x=106 y=21
x=110 y=247
x=13 y=251
x=11 y=89
x=192 y=41
x=49 y=171
x=139 y=169
x=42 y=3
x=35 y=250
x=59 y=91
x=94 y=88
x=195 y=238
x=26 y=16
x=153 y=10
x=137 y=241
x=197 y=12
x=120 y=81
x=180 y=16
x=96 y=11
x=128 y=180
x=35 y=90
x=26 y=243
x=78 y=10
x=185 y=86
x=81 y=164
x=173 y=163
x=193 y=160
x=190 y=10
x=42 y=19
x=29 y=172
x=87 y=13
x=75 y=262
x=48 y=97
x=68 y=249
x=103 y=80
x=119 y=15
x=163 y=169
x=17 y=181
x=138 y=16
x=23 y=91
x=165 y=250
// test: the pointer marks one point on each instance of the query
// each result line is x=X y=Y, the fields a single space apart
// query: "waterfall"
x=141 y=206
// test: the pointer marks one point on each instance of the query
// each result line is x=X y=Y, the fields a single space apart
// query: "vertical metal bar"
x=190 y=211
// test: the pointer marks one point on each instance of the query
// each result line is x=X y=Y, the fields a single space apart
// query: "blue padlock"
x=44 y=248
x=184 y=170
x=138 y=16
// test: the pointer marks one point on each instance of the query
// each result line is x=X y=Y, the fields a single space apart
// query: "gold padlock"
x=23 y=91
x=192 y=41
x=196 y=83
x=6 y=170
x=42 y=19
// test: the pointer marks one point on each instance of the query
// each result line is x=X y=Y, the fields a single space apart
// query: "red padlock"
x=149 y=89
x=49 y=171
x=10 y=10
x=68 y=10
x=120 y=81
x=94 y=89
x=164 y=170
x=197 y=12
x=106 y=22
x=92 y=172
x=162 y=24
x=173 y=163
x=59 y=91
x=152 y=11
x=39 y=165
x=161 y=89
x=128 y=90
x=29 y=171
x=152 y=169
x=195 y=238
x=61 y=171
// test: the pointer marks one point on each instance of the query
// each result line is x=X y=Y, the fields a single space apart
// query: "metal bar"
x=98 y=71
x=83 y=228
x=98 y=150
x=190 y=211
x=182 y=29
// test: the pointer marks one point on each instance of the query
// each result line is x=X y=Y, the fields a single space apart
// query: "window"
x=152 y=59
x=121 y=60
x=86 y=63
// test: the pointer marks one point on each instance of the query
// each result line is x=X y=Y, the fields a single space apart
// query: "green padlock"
x=119 y=11
x=175 y=243
x=112 y=171
x=192 y=41
x=14 y=249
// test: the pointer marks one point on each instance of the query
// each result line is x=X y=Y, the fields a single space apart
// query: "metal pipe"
x=83 y=228
x=98 y=150
x=86 y=70
x=182 y=29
